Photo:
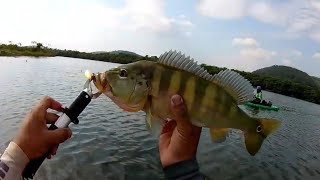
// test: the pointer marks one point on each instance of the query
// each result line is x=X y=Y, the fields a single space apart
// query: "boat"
x=260 y=106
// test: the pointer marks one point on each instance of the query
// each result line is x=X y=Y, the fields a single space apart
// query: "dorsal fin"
x=239 y=87
x=236 y=85
x=180 y=61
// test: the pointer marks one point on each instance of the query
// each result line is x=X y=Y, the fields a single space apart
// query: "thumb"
x=59 y=135
x=180 y=114
x=178 y=108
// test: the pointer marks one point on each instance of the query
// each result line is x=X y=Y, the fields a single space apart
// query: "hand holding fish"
x=179 y=138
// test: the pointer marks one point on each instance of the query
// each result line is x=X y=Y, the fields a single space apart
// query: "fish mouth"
x=101 y=82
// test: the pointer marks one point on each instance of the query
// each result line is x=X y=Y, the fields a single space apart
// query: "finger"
x=54 y=150
x=169 y=127
x=166 y=134
x=184 y=125
x=179 y=110
x=58 y=136
x=51 y=118
x=48 y=102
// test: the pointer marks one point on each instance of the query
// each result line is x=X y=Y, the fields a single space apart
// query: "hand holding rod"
x=70 y=115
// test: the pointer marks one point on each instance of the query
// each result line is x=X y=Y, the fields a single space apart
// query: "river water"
x=111 y=144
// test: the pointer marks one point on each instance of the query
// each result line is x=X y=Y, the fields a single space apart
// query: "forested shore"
x=276 y=85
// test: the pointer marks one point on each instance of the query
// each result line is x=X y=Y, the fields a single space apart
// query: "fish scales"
x=208 y=100
x=155 y=82
x=194 y=93
x=186 y=84
x=165 y=79
x=203 y=98
x=189 y=92
x=183 y=83
x=175 y=81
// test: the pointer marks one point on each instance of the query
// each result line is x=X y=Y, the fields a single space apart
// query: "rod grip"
x=78 y=105
x=33 y=166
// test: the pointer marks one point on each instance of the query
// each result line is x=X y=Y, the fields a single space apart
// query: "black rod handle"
x=32 y=167
x=70 y=115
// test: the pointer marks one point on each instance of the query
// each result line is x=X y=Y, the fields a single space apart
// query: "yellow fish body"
x=212 y=101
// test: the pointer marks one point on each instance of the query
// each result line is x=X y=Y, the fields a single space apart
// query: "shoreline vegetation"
x=278 y=85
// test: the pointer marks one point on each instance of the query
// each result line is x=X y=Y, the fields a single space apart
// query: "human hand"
x=34 y=138
x=179 y=139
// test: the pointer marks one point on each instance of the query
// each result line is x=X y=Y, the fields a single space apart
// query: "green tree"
x=39 y=46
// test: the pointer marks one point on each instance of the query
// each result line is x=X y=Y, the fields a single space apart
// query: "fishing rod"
x=69 y=115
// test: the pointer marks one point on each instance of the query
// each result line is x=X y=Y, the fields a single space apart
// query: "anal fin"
x=219 y=135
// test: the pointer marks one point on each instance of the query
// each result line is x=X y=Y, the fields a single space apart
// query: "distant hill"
x=117 y=52
x=316 y=80
x=125 y=52
x=288 y=73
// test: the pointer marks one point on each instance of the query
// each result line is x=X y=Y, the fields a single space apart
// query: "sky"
x=240 y=34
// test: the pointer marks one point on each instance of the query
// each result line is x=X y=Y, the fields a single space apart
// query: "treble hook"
x=87 y=85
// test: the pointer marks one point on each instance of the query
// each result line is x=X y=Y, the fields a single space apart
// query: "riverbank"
x=35 y=51
x=276 y=85
x=26 y=53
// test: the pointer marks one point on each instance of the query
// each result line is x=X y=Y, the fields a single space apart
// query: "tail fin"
x=254 y=138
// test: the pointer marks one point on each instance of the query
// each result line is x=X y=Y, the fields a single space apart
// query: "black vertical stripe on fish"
x=165 y=79
x=183 y=82
x=201 y=86
x=189 y=92
x=156 y=78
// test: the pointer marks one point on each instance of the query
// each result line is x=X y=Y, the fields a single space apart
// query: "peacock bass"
x=211 y=100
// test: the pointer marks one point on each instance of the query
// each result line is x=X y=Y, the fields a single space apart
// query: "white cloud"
x=82 y=24
x=257 y=53
x=249 y=42
x=251 y=50
x=287 y=62
x=182 y=16
x=306 y=21
x=222 y=9
x=315 y=4
x=316 y=56
x=264 y=12
x=146 y=14
x=230 y=9
x=291 y=54
x=315 y=35
x=296 y=53
x=252 y=56
x=188 y=33
x=296 y=17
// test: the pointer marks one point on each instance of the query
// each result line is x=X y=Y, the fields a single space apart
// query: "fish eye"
x=259 y=128
x=123 y=73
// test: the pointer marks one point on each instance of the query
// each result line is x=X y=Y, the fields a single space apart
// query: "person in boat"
x=259 y=99
x=178 y=142
x=258 y=96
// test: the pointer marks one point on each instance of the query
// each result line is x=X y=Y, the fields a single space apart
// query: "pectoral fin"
x=219 y=135
x=154 y=124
